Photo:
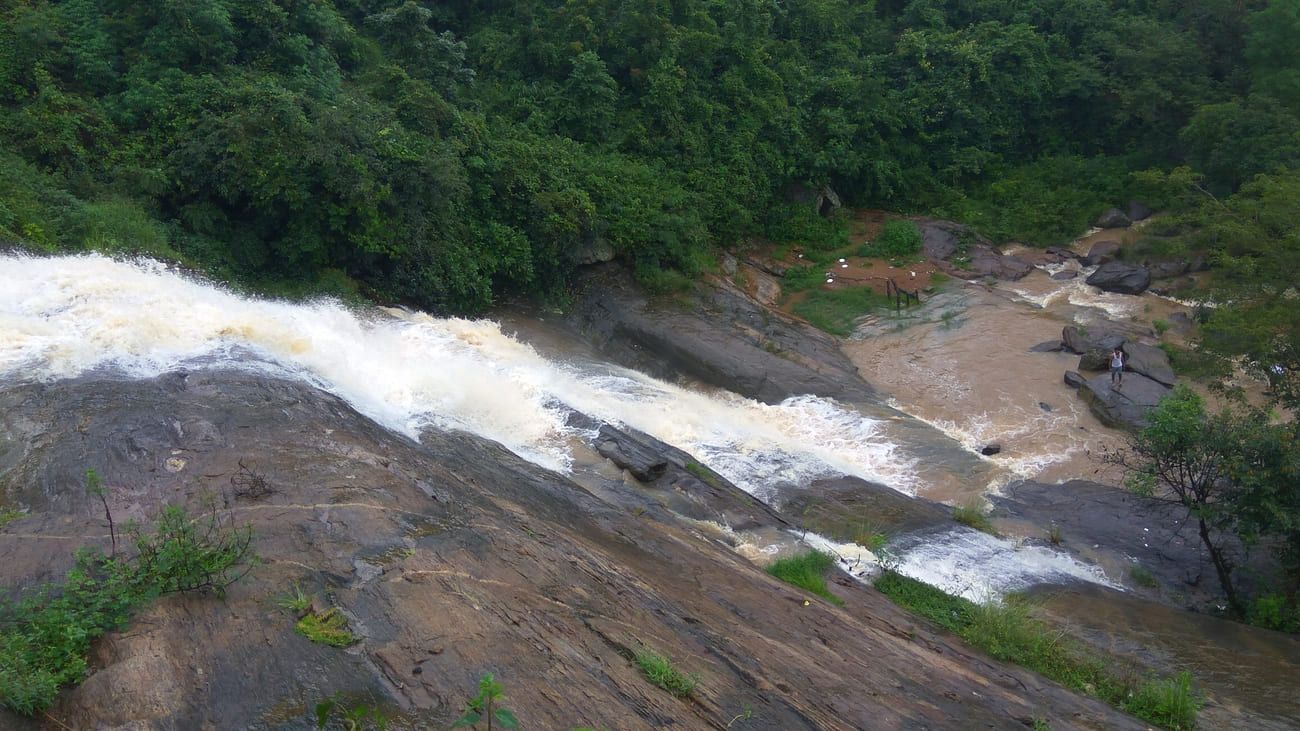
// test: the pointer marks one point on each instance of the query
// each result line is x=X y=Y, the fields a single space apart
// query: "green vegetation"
x=1236 y=474
x=1054 y=535
x=297 y=602
x=972 y=514
x=659 y=670
x=1142 y=576
x=808 y=572
x=836 y=310
x=329 y=627
x=702 y=472
x=46 y=635
x=1008 y=631
x=445 y=154
x=897 y=239
x=9 y=515
x=348 y=716
x=486 y=707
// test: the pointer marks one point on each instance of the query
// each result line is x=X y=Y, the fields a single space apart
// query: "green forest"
x=449 y=154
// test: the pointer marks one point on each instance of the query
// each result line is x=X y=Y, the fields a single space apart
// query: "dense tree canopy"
x=446 y=153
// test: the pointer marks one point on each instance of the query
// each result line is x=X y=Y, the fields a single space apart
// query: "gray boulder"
x=1121 y=278
x=1149 y=361
x=1138 y=211
x=1065 y=274
x=1075 y=341
x=1101 y=252
x=1126 y=407
x=1048 y=346
x=1168 y=268
x=989 y=263
x=1113 y=218
x=1073 y=379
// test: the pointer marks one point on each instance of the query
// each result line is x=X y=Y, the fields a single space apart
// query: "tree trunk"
x=1221 y=567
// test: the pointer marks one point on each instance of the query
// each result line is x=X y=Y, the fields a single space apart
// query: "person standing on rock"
x=1117 y=367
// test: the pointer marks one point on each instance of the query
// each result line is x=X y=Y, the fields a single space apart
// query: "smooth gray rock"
x=1073 y=379
x=1048 y=346
x=716 y=335
x=1149 y=361
x=1120 y=277
x=1126 y=407
x=1065 y=274
x=1113 y=218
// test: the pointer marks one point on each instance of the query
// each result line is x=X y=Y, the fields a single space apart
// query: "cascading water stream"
x=66 y=316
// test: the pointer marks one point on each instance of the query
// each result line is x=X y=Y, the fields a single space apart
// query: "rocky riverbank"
x=449 y=557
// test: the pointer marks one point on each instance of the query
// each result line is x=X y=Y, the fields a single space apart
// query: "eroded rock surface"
x=764 y=354
x=450 y=557
x=1126 y=406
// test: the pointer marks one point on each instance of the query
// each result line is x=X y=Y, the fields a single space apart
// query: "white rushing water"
x=65 y=316
x=61 y=317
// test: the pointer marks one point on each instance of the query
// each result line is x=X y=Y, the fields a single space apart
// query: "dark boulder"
x=1113 y=218
x=989 y=263
x=1168 y=268
x=1065 y=274
x=685 y=486
x=1074 y=340
x=1047 y=346
x=1045 y=406
x=1125 y=407
x=1121 y=278
x=991 y=449
x=841 y=507
x=1073 y=379
x=759 y=353
x=1061 y=253
x=1101 y=252
x=941 y=239
x=1149 y=361
x=1138 y=211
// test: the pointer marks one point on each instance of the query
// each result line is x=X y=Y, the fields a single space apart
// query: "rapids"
x=65 y=316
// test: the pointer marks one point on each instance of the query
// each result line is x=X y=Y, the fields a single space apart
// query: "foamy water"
x=959 y=561
x=61 y=317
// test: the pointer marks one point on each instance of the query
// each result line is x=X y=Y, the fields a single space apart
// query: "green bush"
x=329 y=627
x=45 y=637
x=1275 y=611
x=808 y=572
x=898 y=239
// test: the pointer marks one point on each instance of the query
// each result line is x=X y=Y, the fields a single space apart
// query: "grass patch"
x=9 y=515
x=329 y=627
x=808 y=572
x=1008 y=631
x=659 y=670
x=835 y=311
x=1054 y=535
x=45 y=637
x=703 y=473
x=1142 y=576
x=297 y=601
x=972 y=514
x=1195 y=364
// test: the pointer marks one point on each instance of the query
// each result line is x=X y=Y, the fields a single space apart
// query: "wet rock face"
x=764 y=355
x=1116 y=523
x=449 y=557
x=1125 y=407
x=943 y=241
x=1121 y=278
x=1101 y=252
